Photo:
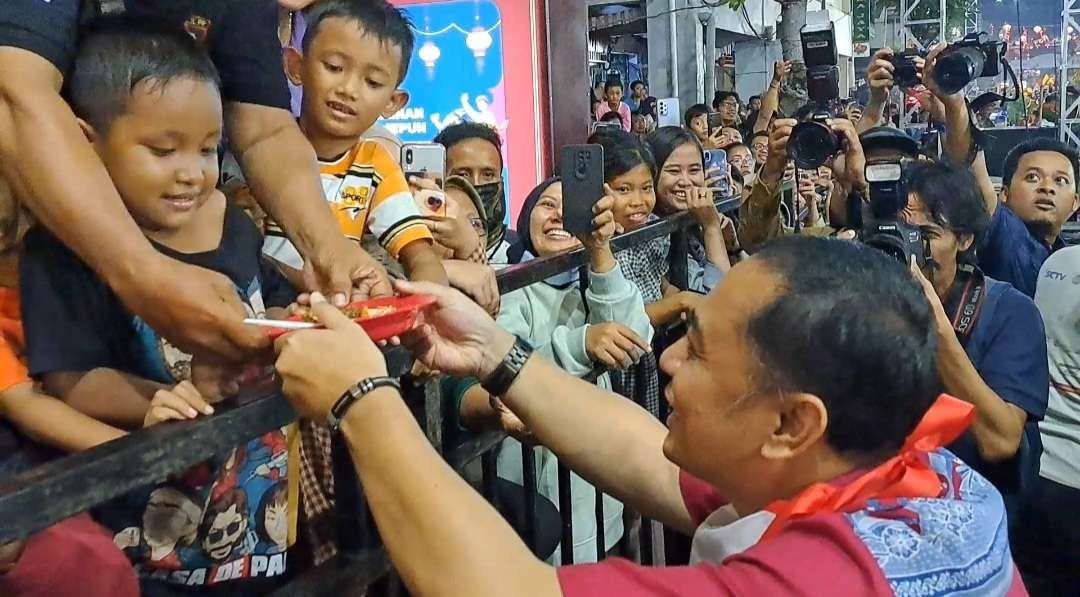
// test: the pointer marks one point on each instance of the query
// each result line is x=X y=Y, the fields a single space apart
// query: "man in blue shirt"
x=991 y=343
x=1038 y=191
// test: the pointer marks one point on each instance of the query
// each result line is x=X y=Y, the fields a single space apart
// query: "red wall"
x=524 y=47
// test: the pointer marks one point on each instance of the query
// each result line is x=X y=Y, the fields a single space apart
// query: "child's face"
x=546 y=224
x=162 y=153
x=682 y=170
x=634 y=197
x=614 y=95
x=700 y=127
x=349 y=77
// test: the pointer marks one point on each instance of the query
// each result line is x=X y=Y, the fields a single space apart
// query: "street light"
x=704 y=16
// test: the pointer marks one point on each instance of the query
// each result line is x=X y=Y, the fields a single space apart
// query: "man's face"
x=945 y=245
x=741 y=158
x=718 y=425
x=755 y=103
x=476 y=160
x=729 y=110
x=350 y=78
x=162 y=153
x=760 y=147
x=1042 y=192
x=699 y=125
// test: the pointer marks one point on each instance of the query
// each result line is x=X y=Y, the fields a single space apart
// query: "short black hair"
x=666 y=139
x=119 y=53
x=611 y=84
x=622 y=152
x=389 y=24
x=695 y=111
x=464 y=131
x=612 y=116
x=723 y=95
x=730 y=146
x=951 y=195
x=636 y=83
x=1012 y=159
x=852 y=327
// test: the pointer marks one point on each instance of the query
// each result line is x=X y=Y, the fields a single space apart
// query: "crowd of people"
x=842 y=421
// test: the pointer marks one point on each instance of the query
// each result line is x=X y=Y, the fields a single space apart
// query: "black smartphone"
x=715 y=122
x=582 y=170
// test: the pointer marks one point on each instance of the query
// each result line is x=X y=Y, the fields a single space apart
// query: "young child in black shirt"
x=148 y=100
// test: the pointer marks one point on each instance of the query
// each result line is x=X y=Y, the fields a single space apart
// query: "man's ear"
x=292 y=59
x=396 y=103
x=803 y=419
x=964 y=241
x=88 y=131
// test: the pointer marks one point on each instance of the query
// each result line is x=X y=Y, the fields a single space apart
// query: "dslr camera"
x=888 y=197
x=905 y=71
x=966 y=60
x=812 y=142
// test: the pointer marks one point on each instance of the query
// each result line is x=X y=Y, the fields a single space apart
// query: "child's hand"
x=181 y=403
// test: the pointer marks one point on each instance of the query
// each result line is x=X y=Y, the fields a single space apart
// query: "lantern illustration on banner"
x=429 y=53
x=479 y=40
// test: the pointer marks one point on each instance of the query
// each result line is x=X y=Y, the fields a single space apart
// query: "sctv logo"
x=1052 y=275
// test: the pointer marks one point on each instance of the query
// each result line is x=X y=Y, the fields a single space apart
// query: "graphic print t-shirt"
x=226 y=519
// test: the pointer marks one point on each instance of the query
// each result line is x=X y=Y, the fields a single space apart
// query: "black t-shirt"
x=240 y=35
x=74 y=322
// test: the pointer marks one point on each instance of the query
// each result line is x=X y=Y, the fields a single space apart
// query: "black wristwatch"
x=354 y=394
x=500 y=380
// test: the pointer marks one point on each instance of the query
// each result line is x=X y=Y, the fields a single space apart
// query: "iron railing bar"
x=473 y=448
x=521 y=275
x=566 y=513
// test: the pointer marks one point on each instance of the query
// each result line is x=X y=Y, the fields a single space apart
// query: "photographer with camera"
x=760 y=216
x=888 y=69
x=991 y=348
x=1039 y=190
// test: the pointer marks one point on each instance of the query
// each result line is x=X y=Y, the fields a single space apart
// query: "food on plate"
x=351 y=311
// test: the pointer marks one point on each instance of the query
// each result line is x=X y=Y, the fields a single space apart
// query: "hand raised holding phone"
x=598 y=242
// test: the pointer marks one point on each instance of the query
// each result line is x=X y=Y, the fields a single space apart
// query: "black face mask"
x=494 y=201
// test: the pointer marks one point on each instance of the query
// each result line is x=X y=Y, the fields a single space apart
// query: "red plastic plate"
x=383 y=327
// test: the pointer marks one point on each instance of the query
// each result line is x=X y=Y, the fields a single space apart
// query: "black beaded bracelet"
x=354 y=394
x=500 y=380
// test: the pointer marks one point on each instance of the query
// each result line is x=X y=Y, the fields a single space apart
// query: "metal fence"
x=40 y=497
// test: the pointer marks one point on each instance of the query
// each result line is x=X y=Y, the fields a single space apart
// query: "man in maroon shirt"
x=804 y=392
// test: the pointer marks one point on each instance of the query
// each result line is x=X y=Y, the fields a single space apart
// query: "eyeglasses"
x=729 y=103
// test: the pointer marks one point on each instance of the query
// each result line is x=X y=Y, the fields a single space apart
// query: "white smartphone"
x=424 y=159
x=668 y=112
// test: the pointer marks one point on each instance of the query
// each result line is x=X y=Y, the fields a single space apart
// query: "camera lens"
x=811 y=145
x=956 y=68
x=888 y=244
